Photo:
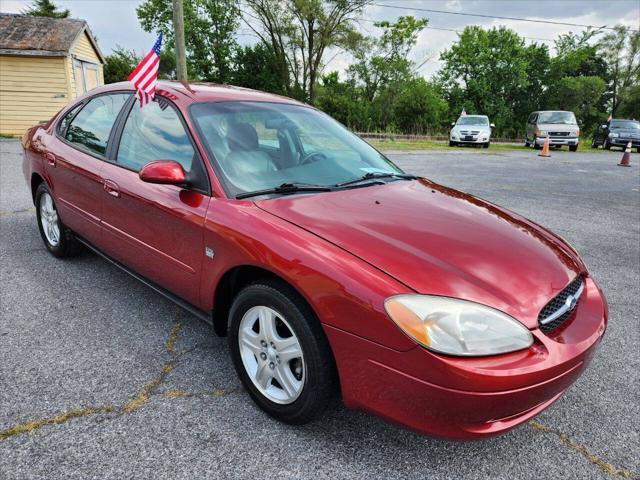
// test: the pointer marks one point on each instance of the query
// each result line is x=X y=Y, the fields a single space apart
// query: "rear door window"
x=90 y=129
x=64 y=123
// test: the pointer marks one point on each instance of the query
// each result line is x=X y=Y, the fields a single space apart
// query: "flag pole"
x=178 y=35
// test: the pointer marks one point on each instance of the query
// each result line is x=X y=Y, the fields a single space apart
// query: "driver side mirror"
x=603 y=126
x=492 y=125
x=453 y=124
x=168 y=172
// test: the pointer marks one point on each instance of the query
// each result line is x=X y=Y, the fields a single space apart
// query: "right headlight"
x=457 y=327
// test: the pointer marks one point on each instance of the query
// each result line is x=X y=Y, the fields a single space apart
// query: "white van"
x=561 y=127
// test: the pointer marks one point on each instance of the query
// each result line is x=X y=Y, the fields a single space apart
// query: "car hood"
x=440 y=241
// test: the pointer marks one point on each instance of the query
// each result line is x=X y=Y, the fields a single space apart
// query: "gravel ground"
x=100 y=377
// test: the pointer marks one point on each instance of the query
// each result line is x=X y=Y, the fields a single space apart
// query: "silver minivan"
x=560 y=126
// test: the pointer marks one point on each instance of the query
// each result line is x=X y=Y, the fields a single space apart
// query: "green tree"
x=581 y=95
x=621 y=50
x=342 y=100
x=119 y=64
x=487 y=71
x=257 y=67
x=299 y=33
x=209 y=33
x=380 y=62
x=419 y=107
x=45 y=8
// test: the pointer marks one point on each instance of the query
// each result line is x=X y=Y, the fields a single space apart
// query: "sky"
x=114 y=22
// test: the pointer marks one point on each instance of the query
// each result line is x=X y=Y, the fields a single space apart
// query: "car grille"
x=558 y=134
x=469 y=132
x=560 y=308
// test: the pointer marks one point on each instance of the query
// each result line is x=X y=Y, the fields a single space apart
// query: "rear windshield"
x=627 y=124
x=471 y=120
x=565 y=118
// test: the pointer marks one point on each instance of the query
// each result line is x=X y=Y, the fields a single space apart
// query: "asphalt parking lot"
x=100 y=377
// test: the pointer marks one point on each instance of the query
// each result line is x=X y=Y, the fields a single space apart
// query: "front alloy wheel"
x=271 y=354
x=280 y=352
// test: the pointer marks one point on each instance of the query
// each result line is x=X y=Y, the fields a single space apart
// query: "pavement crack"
x=218 y=392
x=584 y=451
x=141 y=398
x=59 y=419
x=6 y=213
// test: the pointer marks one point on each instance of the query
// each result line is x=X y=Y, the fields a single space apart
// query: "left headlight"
x=457 y=327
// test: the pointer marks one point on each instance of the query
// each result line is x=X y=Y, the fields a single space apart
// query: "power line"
x=458 y=31
x=430 y=10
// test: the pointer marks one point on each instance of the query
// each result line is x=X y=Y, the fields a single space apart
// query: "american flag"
x=145 y=75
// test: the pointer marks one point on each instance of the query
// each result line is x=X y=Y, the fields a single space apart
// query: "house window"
x=86 y=76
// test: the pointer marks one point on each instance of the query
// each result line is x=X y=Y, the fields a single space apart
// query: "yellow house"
x=44 y=63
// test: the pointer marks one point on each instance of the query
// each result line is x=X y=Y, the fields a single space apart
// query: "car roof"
x=481 y=116
x=623 y=120
x=204 y=92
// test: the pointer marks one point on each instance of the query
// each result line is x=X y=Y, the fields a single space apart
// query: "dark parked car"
x=617 y=133
x=329 y=269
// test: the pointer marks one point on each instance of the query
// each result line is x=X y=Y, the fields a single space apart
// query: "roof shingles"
x=26 y=35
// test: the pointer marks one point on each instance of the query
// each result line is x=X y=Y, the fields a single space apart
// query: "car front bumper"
x=480 y=139
x=558 y=141
x=469 y=398
x=623 y=142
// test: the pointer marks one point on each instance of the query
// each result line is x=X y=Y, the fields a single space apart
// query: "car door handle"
x=112 y=188
x=51 y=158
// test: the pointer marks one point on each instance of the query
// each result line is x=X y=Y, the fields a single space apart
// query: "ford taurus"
x=331 y=271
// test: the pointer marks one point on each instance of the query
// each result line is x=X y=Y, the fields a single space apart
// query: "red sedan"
x=329 y=269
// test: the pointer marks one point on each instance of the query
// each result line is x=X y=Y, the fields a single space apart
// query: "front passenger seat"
x=245 y=161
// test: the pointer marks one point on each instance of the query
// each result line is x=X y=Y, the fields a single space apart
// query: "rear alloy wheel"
x=280 y=352
x=56 y=237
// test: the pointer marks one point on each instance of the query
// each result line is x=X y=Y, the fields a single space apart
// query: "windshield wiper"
x=286 y=188
x=375 y=176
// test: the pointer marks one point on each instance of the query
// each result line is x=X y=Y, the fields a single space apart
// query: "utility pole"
x=178 y=35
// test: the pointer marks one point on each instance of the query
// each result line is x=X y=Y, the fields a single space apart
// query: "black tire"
x=573 y=148
x=67 y=245
x=606 y=145
x=637 y=149
x=535 y=144
x=594 y=144
x=452 y=144
x=486 y=145
x=320 y=378
x=526 y=143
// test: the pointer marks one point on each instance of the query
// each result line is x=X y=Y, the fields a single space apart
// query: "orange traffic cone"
x=545 y=148
x=626 y=157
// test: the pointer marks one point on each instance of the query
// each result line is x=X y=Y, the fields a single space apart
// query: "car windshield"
x=473 y=120
x=563 y=118
x=626 y=124
x=260 y=145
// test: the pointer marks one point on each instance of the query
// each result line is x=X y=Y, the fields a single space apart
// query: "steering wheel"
x=313 y=157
